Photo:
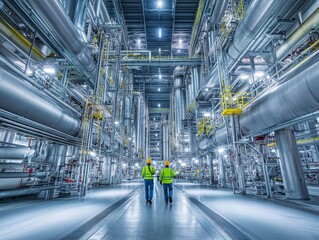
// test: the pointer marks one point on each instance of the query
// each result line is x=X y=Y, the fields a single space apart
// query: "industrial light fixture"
x=154 y=119
x=124 y=164
x=159 y=105
x=93 y=154
x=225 y=156
x=207 y=114
x=136 y=164
x=244 y=77
x=160 y=76
x=138 y=41
x=220 y=150
x=186 y=149
x=159 y=4
x=196 y=161
x=159 y=89
x=180 y=41
x=180 y=161
x=49 y=70
x=178 y=50
x=116 y=123
x=183 y=164
x=259 y=74
x=159 y=50
x=159 y=32
x=156 y=135
x=29 y=72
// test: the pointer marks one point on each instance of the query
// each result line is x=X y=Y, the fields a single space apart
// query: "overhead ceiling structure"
x=164 y=28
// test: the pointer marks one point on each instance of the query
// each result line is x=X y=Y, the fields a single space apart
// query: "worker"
x=148 y=173
x=166 y=178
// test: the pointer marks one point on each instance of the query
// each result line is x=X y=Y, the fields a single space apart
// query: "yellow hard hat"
x=166 y=163
x=148 y=161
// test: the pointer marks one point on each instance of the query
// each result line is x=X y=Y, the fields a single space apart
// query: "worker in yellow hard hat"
x=148 y=173
x=166 y=178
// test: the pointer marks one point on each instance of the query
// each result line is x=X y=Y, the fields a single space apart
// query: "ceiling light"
x=196 y=161
x=116 y=123
x=156 y=135
x=154 y=119
x=206 y=114
x=159 y=50
x=244 y=77
x=124 y=164
x=180 y=41
x=159 y=105
x=138 y=41
x=186 y=149
x=220 y=150
x=259 y=74
x=93 y=154
x=159 y=32
x=49 y=70
x=160 y=76
x=136 y=164
x=183 y=164
x=178 y=50
x=159 y=89
x=180 y=161
x=29 y=72
x=159 y=4
x=225 y=156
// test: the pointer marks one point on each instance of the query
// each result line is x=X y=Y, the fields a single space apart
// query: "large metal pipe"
x=22 y=174
x=296 y=97
x=20 y=98
x=311 y=23
x=14 y=152
x=263 y=12
x=27 y=191
x=19 y=40
x=290 y=165
x=62 y=26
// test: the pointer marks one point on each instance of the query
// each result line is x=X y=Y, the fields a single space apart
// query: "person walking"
x=166 y=178
x=148 y=173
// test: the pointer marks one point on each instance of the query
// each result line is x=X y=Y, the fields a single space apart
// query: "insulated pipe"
x=7 y=136
x=27 y=191
x=22 y=99
x=297 y=97
x=14 y=152
x=311 y=23
x=62 y=26
x=20 y=41
x=262 y=12
x=22 y=174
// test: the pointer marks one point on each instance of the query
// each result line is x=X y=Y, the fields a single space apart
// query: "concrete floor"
x=133 y=219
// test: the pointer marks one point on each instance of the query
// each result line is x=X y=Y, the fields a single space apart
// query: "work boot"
x=147 y=202
x=150 y=201
x=170 y=200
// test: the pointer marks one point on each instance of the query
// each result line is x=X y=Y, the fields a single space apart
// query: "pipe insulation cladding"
x=296 y=97
x=23 y=99
x=62 y=26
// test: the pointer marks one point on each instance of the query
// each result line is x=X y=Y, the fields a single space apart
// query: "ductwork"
x=27 y=191
x=282 y=103
x=20 y=98
x=15 y=152
x=62 y=26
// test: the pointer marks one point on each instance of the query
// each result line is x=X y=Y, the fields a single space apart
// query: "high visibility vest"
x=148 y=172
x=166 y=175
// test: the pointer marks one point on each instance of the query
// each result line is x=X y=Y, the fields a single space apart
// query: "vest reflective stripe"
x=167 y=175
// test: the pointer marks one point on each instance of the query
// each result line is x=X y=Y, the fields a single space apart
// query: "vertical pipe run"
x=290 y=165
x=221 y=170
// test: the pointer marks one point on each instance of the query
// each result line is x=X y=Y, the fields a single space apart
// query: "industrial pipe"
x=311 y=23
x=20 y=41
x=14 y=152
x=22 y=174
x=296 y=97
x=22 y=99
x=27 y=191
x=62 y=26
